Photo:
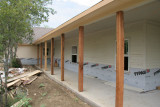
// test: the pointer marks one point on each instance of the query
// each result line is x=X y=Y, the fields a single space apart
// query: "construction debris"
x=17 y=79
x=25 y=78
x=29 y=74
x=19 y=104
x=32 y=80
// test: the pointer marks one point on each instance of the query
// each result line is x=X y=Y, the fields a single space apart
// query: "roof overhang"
x=98 y=11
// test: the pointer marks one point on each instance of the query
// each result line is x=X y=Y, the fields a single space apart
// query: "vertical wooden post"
x=41 y=55
x=80 y=72
x=45 y=56
x=37 y=55
x=52 y=56
x=62 y=57
x=120 y=60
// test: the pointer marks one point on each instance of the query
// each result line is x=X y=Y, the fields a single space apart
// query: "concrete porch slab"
x=98 y=93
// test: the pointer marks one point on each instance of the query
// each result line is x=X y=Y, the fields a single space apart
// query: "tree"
x=17 y=18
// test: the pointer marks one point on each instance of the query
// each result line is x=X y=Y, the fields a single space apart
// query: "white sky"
x=66 y=9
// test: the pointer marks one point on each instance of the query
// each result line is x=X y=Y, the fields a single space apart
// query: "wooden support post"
x=37 y=55
x=45 y=56
x=120 y=60
x=80 y=72
x=41 y=55
x=62 y=57
x=52 y=56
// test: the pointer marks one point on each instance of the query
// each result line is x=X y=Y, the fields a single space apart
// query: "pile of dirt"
x=47 y=93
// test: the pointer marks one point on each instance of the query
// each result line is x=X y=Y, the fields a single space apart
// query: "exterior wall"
x=153 y=44
x=100 y=48
x=152 y=54
x=27 y=54
x=28 y=51
x=100 y=57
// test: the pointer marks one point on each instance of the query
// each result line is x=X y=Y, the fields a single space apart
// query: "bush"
x=16 y=63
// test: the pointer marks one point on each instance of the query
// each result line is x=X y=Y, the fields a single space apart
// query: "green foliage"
x=43 y=105
x=16 y=63
x=41 y=85
x=76 y=99
x=24 y=100
x=17 y=20
x=44 y=94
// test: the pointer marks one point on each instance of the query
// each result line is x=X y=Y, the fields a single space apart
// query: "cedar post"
x=62 y=57
x=37 y=55
x=52 y=56
x=120 y=60
x=80 y=72
x=41 y=55
x=45 y=56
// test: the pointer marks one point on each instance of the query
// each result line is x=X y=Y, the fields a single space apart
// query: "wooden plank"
x=119 y=60
x=12 y=83
x=41 y=65
x=52 y=56
x=37 y=55
x=24 y=75
x=20 y=103
x=81 y=45
x=32 y=80
x=62 y=57
x=45 y=56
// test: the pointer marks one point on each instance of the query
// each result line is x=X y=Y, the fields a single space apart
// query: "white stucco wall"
x=153 y=44
x=28 y=51
x=99 y=47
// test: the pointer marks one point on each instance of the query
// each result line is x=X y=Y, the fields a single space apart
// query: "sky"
x=67 y=9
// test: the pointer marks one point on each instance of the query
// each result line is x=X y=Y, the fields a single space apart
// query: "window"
x=44 y=51
x=126 y=55
x=74 y=54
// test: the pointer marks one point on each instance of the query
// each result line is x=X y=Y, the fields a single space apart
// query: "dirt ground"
x=47 y=93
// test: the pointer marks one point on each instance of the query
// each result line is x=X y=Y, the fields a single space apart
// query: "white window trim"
x=74 y=54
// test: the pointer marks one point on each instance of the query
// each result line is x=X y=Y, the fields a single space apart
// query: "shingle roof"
x=39 y=32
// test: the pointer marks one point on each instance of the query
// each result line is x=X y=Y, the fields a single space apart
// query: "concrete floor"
x=96 y=92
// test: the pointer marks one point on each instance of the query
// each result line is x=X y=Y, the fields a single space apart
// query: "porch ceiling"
x=103 y=9
x=148 y=11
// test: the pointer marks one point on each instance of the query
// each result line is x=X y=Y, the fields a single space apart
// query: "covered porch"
x=106 y=49
x=102 y=93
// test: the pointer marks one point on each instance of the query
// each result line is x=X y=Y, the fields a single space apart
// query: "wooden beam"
x=62 y=57
x=37 y=55
x=120 y=60
x=80 y=72
x=52 y=56
x=45 y=56
x=41 y=65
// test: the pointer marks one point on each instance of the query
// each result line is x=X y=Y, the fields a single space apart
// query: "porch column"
x=62 y=57
x=52 y=56
x=41 y=55
x=119 y=60
x=45 y=56
x=80 y=72
x=37 y=55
